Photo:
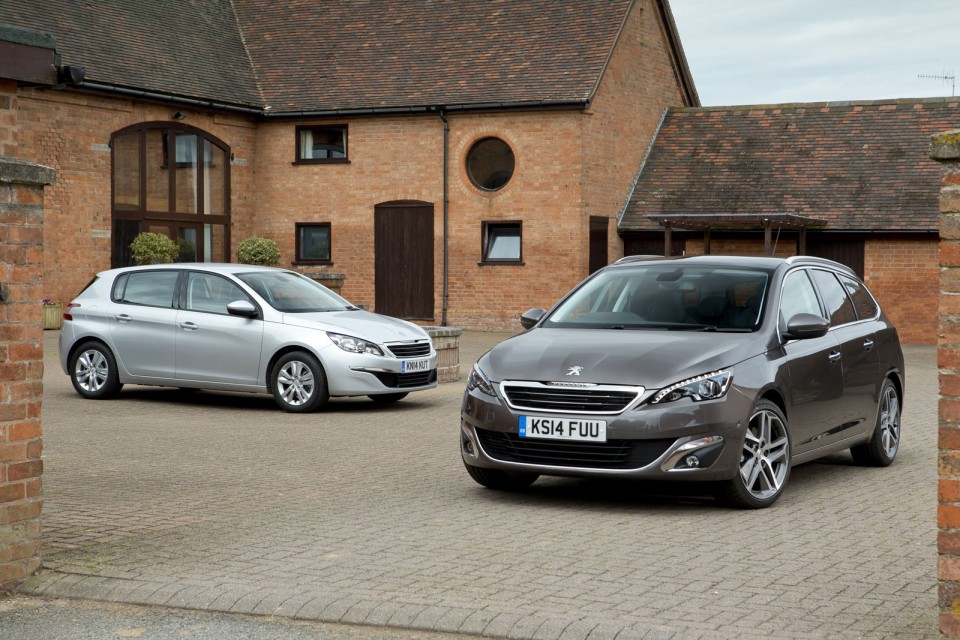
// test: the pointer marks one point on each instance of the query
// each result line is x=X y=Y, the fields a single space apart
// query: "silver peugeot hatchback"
x=727 y=370
x=236 y=327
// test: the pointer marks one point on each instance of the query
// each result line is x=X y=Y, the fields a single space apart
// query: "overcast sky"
x=778 y=51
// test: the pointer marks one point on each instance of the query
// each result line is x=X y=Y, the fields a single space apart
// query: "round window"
x=490 y=164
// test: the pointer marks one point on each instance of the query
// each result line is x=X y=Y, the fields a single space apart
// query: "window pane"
x=323 y=143
x=215 y=243
x=186 y=173
x=153 y=288
x=187 y=244
x=503 y=242
x=314 y=242
x=214 y=179
x=126 y=171
x=798 y=297
x=210 y=293
x=863 y=302
x=835 y=298
x=158 y=176
x=490 y=164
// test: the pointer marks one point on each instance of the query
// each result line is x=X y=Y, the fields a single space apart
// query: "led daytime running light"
x=725 y=374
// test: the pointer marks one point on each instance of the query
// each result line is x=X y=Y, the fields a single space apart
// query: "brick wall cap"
x=13 y=171
x=945 y=145
x=443 y=332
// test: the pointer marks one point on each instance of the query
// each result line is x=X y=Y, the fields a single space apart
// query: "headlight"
x=476 y=380
x=709 y=386
x=354 y=345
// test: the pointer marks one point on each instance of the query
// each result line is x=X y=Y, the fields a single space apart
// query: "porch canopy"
x=707 y=222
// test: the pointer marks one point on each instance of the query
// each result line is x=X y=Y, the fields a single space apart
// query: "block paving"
x=362 y=514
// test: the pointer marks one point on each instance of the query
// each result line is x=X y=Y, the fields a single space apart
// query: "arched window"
x=172 y=179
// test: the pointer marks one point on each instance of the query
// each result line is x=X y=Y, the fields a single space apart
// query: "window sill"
x=501 y=263
x=312 y=263
x=322 y=161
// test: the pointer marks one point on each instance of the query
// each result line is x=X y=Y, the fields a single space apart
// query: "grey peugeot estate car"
x=727 y=370
x=237 y=327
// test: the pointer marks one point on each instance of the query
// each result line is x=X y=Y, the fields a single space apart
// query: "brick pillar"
x=21 y=366
x=945 y=147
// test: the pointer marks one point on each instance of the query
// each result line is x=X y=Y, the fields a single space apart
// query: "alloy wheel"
x=890 y=421
x=295 y=383
x=764 y=461
x=92 y=370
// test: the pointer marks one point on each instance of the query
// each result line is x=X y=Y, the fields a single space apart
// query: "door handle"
x=189 y=326
x=123 y=318
x=834 y=356
x=868 y=344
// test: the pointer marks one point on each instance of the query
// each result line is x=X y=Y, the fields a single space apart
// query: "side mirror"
x=807 y=325
x=532 y=317
x=242 y=308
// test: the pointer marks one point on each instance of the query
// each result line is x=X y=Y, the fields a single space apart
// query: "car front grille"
x=410 y=350
x=567 y=399
x=613 y=454
x=407 y=380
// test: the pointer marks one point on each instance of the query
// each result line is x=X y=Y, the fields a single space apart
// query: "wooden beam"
x=767 y=239
x=667 y=239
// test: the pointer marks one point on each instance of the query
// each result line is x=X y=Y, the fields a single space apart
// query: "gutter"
x=446 y=201
x=265 y=112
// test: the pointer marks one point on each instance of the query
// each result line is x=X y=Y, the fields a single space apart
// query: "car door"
x=212 y=345
x=142 y=319
x=814 y=388
x=860 y=359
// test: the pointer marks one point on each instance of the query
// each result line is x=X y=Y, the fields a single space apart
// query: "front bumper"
x=681 y=440
x=351 y=374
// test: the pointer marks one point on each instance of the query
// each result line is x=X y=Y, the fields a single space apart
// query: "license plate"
x=563 y=429
x=412 y=366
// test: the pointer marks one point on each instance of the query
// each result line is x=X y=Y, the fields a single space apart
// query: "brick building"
x=799 y=179
x=457 y=161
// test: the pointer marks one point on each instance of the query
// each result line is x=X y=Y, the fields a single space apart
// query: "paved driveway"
x=364 y=514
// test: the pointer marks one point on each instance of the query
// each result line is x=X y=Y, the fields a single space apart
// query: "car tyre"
x=501 y=480
x=387 y=398
x=94 y=371
x=883 y=445
x=299 y=383
x=764 y=468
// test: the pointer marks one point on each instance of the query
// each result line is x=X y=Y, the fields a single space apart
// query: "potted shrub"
x=153 y=248
x=259 y=251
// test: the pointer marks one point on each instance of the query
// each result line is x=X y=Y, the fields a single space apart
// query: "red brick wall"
x=21 y=367
x=902 y=274
x=570 y=165
x=637 y=86
x=946 y=147
x=71 y=133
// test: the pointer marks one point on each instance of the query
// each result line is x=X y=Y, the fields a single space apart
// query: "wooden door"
x=403 y=246
x=598 y=242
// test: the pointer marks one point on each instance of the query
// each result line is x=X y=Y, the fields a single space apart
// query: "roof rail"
x=820 y=261
x=637 y=258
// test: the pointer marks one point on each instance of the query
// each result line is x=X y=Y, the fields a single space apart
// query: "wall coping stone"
x=945 y=145
x=30 y=37
x=13 y=171
x=443 y=332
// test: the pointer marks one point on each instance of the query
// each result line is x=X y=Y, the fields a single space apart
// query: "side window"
x=502 y=242
x=149 y=288
x=211 y=293
x=313 y=242
x=834 y=298
x=867 y=308
x=321 y=144
x=798 y=296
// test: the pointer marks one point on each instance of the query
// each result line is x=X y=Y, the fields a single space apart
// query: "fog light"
x=468 y=446
x=693 y=462
x=466 y=442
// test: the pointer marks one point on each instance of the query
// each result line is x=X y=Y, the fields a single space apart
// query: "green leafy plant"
x=259 y=251
x=153 y=248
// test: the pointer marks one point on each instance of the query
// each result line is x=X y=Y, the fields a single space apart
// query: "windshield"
x=293 y=293
x=668 y=297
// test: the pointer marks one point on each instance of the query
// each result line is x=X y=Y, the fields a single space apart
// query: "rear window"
x=867 y=308
x=148 y=288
